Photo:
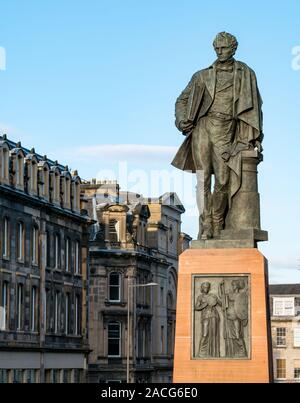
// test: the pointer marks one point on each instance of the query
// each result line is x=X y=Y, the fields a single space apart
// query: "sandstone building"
x=43 y=270
x=285 y=310
x=134 y=243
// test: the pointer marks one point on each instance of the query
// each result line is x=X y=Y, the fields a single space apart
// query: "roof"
x=284 y=289
x=28 y=152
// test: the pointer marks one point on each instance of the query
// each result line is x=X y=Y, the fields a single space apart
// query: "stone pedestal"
x=245 y=209
x=222 y=325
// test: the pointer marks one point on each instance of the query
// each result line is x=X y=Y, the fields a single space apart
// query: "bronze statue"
x=220 y=114
x=210 y=322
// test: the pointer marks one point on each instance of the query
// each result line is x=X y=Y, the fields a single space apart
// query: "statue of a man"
x=220 y=113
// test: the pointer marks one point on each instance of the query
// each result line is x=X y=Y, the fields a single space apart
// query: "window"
x=77 y=375
x=284 y=306
x=47 y=249
x=31 y=376
x=20 y=296
x=56 y=312
x=114 y=339
x=33 y=179
x=57 y=251
x=4 y=375
x=297 y=337
x=114 y=231
x=114 y=287
x=4 y=309
x=56 y=376
x=67 y=314
x=35 y=243
x=281 y=336
x=77 y=315
x=68 y=256
x=77 y=258
x=6 y=237
x=47 y=308
x=162 y=339
x=76 y=195
x=20 y=239
x=67 y=191
x=67 y=375
x=34 y=310
x=17 y=376
x=20 y=171
x=281 y=369
x=5 y=165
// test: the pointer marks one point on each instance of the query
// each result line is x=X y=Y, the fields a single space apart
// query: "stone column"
x=245 y=209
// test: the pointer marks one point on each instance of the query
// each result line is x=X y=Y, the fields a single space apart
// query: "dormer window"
x=20 y=171
x=67 y=193
x=33 y=177
x=55 y=185
x=4 y=164
x=114 y=230
x=44 y=180
x=32 y=173
x=76 y=194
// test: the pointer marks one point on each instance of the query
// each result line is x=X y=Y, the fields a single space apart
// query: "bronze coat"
x=247 y=110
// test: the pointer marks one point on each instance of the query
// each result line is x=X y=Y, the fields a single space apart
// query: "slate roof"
x=284 y=289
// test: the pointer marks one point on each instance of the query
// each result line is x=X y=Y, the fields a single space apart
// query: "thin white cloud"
x=118 y=152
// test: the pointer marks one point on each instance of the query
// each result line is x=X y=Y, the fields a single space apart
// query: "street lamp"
x=128 y=318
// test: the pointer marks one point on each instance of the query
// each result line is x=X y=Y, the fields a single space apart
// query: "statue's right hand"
x=185 y=126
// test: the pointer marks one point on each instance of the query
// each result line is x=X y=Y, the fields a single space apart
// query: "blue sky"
x=93 y=83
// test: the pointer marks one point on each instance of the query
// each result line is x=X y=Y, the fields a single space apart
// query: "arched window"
x=48 y=249
x=55 y=185
x=114 y=287
x=20 y=307
x=67 y=193
x=68 y=255
x=4 y=312
x=4 y=164
x=43 y=175
x=57 y=312
x=77 y=313
x=114 y=339
x=57 y=251
x=77 y=258
x=35 y=245
x=76 y=194
x=20 y=241
x=20 y=171
x=67 y=313
x=6 y=238
x=34 y=309
x=32 y=173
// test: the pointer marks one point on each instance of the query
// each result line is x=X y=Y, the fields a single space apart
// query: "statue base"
x=243 y=238
x=222 y=324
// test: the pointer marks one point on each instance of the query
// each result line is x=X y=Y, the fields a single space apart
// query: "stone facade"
x=43 y=270
x=285 y=310
x=135 y=242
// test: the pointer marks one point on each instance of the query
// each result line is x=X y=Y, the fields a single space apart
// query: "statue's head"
x=225 y=46
x=205 y=287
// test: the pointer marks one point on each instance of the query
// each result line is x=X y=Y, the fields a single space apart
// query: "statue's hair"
x=240 y=283
x=231 y=39
x=204 y=284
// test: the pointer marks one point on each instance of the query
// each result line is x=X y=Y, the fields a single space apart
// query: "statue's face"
x=205 y=288
x=224 y=51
